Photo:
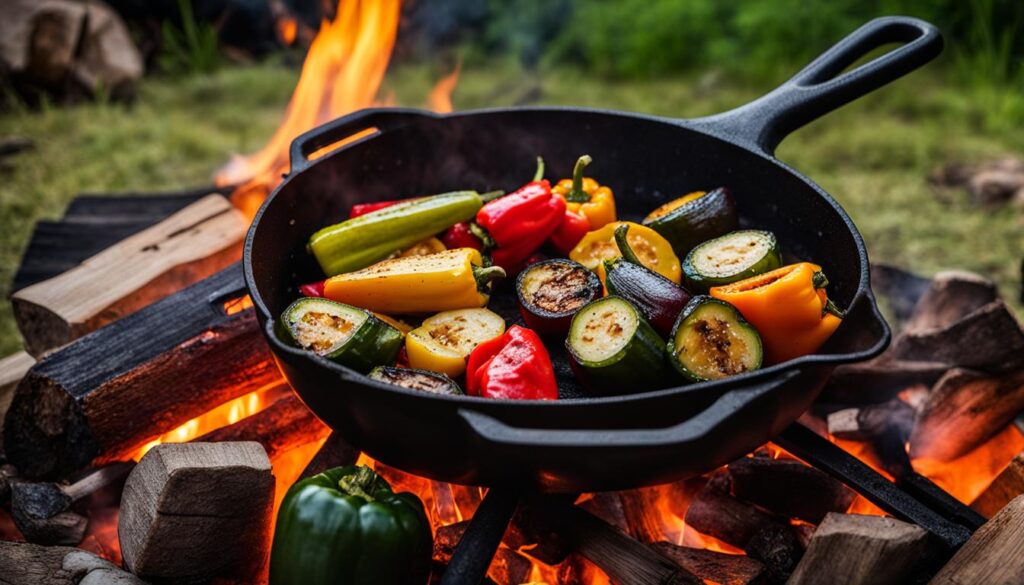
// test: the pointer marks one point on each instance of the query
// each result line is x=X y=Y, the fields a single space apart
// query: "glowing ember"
x=966 y=477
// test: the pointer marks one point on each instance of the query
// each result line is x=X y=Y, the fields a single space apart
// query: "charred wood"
x=335 y=452
x=899 y=289
x=716 y=513
x=885 y=426
x=642 y=520
x=282 y=426
x=788 y=487
x=715 y=567
x=995 y=554
x=12 y=369
x=879 y=380
x=950 y=297
x=778 y=547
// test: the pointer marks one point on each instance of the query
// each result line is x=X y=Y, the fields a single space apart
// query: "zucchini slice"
x=552 y=291
x=443 y=342
x=732 y=257
x=694 y=218
x=341 y=333
x=414 y=379
x=614 y=350
x=712 y=341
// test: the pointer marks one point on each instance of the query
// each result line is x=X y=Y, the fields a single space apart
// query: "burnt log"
x=886 y=427
x=642 y=520
x=993 y=554
x=879 y=380
x=964 y=410
x=779 y=548
x=195 y=511
x=12 y=369
x=788 y=487
x=280 y=427
x=716 y=513
x=716 y=567
x=898 y=289
x=951 y=296
x=1007 y=485
x=30 y=564
x=188 y=246
x=102 y=397
x=861 y=550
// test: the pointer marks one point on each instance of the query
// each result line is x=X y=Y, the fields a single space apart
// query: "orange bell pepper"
x=584 y=196
x=789 y=308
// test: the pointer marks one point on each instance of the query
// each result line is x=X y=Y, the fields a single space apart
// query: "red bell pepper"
x=313 y=289
x=364 y=208
x=515 y=366
x=569 y=233
x=520 y=222
x=465 y=235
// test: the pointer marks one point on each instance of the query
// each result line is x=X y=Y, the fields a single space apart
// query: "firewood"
x=30 y=564
x=12 y=369
x=988 y=339
x=788 y=487
x=186 y=247
x=716 y=513
x=779 y=548
x=1007 y=485
x=101 y=398
x=195 y=511
x=860 y=550
x=886 y=427
x=898 y=289
x=642 y=519
x=335 y=452
x=964 y=410
x=951 y=296
x=529 y=530
x=879 y=380
x=994 y=555
x=282 y=426
x=715 y=567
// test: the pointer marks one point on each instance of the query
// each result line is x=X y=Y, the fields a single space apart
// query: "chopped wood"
x=951 y=296
x=886 y=427
x=100 y=398
x=280 y=427
x=40 y=511
x=716 y=513
x=716 y=567
x=898 y=289
x=642 y=518
x=12 y=369
x=186 y=247
x=964 y=410
x=988 y=339
x=1007 y=485
x=335 y=452
x=29 y=564
x=994 y=555
x=879 y=380
x=860 y=550
x=195 y=511
x=779 y=548
x=608 y=507
x=788 y=487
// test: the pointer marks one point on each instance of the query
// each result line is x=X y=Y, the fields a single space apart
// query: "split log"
x=886 y=427
x=963 y=411
x=194 y=511
x=716 y=567
x=779 y=548
x=30 y=564
x=188 y=246
x=12 y=369
x=91 y=224
x=280 y=427
x=879 y=380
x=861 y=550
x=994 y=555
x=642 y=519
x=101 y=398
x=951 y=296
x=988 y=339
x=788 y=487
x=335 y=452
x=1008 y=485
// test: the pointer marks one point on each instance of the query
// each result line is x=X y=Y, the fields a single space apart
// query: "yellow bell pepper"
x=587 y=197
x=453 y=279
x=443 y=342
x=653 y=250
x=788 y=306
x=425 y=247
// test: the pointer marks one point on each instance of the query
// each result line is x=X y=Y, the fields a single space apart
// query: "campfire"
x=936 y=415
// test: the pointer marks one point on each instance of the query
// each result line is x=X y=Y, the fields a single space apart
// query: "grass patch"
x=873 y=156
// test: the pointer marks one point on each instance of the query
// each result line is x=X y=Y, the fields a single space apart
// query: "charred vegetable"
x=732 y=257
x=359 y=242
x=550 y=293
x=588 y=206
x=341 y=333
x=790 y=308
x=712 y=341
x=414 y=379
x=613 y=349
x=445 y=340
x=653 y=250
x=659 y=299
x=514 y=366
x=452 y=279
x=694 y=218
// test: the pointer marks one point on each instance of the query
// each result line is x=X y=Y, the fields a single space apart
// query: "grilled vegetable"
x=347 y=335
x=312 y=289
x=653 y=250
x=364 y=208
x=732 y=257
x=345 y=525
x=414 y=379
x=520 y=221
x=550 y=293
x=467 y=234
x=659 y=299
x=694 y=218
x=357 y=243
x=585 y=200
x=789 y=307
x=514 y=366
x=445 y=340
x=613 y=349
x=453 y=279
x=712 y=341
x=425 y=247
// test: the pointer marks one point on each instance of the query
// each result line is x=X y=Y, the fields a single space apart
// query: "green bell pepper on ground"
x=345 y=525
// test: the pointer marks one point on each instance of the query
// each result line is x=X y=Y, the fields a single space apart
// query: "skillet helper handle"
x=348 y=127
x=823 y=86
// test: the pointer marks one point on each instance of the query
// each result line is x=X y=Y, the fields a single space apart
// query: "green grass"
x=873 y=155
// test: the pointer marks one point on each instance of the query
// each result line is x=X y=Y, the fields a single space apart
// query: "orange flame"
x=440 y=98
x=287 y=29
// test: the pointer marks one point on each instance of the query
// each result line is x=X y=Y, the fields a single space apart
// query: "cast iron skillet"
x=583 y=443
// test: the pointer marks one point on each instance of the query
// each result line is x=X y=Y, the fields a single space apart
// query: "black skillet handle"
x=335 y=131
x=822 y=86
